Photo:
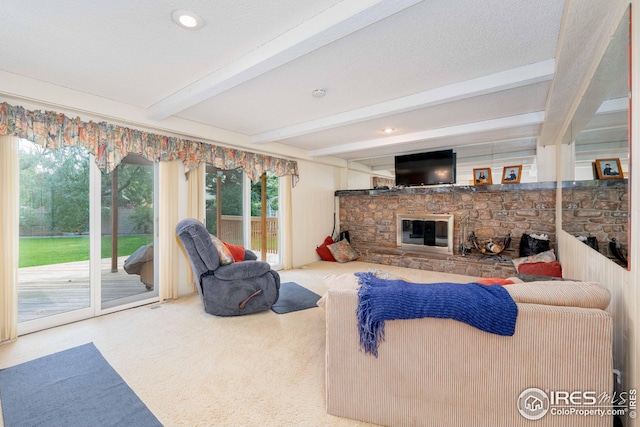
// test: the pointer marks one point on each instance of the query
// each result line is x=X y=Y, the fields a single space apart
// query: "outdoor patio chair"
x=234 y=289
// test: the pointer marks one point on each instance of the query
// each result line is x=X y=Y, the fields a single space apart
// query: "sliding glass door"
x=240 y=212
x=79 y=232
x=225 y=204
x=127 y=234
x=54 y=270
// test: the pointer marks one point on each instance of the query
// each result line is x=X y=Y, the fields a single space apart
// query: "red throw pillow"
x=237 y=252
x=550 y=269
x=324 y=252
x=494 y=281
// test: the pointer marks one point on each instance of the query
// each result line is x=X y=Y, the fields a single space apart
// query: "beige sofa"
x=441 y=372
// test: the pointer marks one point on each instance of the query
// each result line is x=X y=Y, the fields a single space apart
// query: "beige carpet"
x=194 y=369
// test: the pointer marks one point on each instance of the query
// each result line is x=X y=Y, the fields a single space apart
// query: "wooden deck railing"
x=230 y=230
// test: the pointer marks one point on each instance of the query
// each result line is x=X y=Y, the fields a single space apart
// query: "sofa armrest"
x=242 y=270
x=435 y=372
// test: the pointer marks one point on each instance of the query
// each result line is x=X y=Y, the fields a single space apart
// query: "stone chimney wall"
x=599 y=212
x=491 y=212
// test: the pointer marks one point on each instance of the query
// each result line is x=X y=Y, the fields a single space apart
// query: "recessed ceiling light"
x=186 y=19
x=388 y=130
x=319 y=93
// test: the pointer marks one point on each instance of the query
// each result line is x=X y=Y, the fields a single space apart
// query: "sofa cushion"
x=242 y=270
x=553 y=292
x=350 y=281
x=338 y=281
x=341 y=281
x=561 y=293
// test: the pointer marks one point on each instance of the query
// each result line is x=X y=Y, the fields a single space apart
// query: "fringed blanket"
x=488 y=308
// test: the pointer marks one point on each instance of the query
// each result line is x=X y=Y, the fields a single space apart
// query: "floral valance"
x=111 y=143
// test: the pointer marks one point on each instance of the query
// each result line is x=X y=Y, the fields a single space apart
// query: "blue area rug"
x=75 y=387
x=294 y=297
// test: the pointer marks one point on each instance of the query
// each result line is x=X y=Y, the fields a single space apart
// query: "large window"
x=225 y=204
x=240 y=212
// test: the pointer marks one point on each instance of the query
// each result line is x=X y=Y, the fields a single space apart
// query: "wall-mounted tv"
x=436 y=167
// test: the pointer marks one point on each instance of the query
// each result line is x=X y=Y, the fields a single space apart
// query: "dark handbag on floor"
x=344 y=236
x=531 y=246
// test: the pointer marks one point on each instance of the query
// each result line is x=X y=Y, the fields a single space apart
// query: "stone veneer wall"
x=599 y=210
x=595 y=207
x=489 y=211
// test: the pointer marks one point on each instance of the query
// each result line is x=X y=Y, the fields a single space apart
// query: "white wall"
x=313 y=209
x=359 y=180
x=546 y=163
x=580 y=262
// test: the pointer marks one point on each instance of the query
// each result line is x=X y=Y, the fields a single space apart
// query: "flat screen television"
x=436 y=167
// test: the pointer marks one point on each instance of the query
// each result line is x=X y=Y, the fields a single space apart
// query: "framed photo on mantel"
x=609 y=168
x=511 y=174
x=482 y=176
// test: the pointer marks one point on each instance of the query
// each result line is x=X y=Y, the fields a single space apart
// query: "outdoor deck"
x=59 y=288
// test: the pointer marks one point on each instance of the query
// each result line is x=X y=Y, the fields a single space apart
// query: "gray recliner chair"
x=227 y=290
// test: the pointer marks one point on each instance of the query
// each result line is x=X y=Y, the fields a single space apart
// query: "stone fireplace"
x=426 y=232
x=376 y=219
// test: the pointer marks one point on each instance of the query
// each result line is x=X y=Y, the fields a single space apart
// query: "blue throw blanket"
x=488 y=308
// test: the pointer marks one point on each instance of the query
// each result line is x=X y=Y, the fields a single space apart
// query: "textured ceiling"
x=467 y=74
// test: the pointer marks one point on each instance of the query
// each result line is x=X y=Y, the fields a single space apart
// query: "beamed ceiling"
x=493 y=79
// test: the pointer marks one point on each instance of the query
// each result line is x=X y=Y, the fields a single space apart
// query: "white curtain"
x=196 y=207
x=9 y=223
x=170 y=174
x=286 y=222
x=196 y=181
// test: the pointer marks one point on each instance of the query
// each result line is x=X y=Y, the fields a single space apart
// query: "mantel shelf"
x=528 y=186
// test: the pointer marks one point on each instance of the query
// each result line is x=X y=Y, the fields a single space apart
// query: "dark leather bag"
x=532 y=246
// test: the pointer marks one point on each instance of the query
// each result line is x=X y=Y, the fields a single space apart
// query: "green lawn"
x=56 y=250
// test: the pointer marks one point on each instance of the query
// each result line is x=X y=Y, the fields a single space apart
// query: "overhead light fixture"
x=319 y=93
x=186 y=19
x=388 y=130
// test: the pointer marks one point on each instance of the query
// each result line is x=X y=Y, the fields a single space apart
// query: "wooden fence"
x=230 y=230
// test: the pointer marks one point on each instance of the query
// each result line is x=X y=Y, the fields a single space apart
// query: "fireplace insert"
x=429 y=232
